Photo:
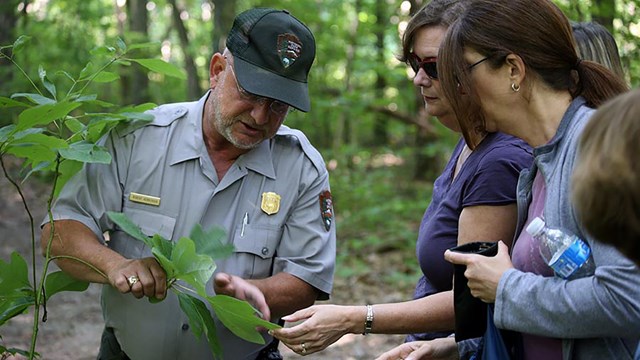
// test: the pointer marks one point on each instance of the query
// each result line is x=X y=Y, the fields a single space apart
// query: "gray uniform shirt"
x=167 y=159
x=598 y=317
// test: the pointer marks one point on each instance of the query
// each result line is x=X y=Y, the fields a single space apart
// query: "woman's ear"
x=516 y=69
x=216 y=67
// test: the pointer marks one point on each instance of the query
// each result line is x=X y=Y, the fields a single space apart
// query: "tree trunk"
x=224 y=11
x=380 y=130
x=138 y=27
x=193 y=82
x=8 y=21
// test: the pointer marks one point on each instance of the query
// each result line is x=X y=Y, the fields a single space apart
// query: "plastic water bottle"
x=565 y=253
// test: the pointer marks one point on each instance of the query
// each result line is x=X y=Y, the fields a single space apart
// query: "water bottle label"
x=566 y=263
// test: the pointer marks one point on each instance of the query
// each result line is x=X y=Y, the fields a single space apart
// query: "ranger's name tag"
x=144 y=199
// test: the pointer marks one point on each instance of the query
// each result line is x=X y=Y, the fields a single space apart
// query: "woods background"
x=367 y=118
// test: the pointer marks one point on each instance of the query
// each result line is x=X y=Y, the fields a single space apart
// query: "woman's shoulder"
x=503 y=147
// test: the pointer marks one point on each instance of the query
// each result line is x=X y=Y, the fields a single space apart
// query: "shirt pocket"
x=255 y=248
x=150 y=223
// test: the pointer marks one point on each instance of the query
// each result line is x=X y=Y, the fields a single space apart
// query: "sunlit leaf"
x=102 y=51
x=14 y=275
x=46 y=82
x=162 y=67
x=67 y=169
x=86 y=152
x=212 y=242
x=194 y=269
x=44 y=114
x=121 y=45
x=20 y=42
x=129 y=227
x=240 y=318
x=35 y=98
x=200 y=321
x=59 y=281
x=6 y=102
x=105 y=77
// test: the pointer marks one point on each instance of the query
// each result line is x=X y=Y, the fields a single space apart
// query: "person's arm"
x=325 y=324
x=74 y=239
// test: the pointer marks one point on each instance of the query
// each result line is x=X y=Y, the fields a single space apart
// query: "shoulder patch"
x=326 y=209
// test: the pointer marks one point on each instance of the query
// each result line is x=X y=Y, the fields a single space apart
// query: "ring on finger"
x=132 y=280
x=304 y=348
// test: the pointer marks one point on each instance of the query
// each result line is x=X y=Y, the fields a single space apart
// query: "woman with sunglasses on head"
x=533 y=85
x=473 y=199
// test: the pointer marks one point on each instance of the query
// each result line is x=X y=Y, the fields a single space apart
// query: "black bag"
x=470 y=312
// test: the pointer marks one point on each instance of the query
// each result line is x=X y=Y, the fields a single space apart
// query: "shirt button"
x=185 y=327
x=265 y=250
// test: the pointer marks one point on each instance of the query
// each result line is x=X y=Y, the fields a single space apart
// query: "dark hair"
x=594 y=42
x=538 y=32
x=605 y=181
x=434 y=13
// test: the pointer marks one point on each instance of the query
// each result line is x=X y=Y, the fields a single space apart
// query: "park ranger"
x=226 y=161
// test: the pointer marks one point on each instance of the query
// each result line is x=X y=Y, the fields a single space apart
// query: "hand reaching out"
x=230 y=285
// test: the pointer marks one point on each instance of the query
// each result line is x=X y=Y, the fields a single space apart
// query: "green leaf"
x=192 y=268
x=67 y=169
x=85 y=98
x=240 y=317
x=200 y=321
x=59 y=281
x=16 y=294
x=102 y=51
x=121 y=45
x=162 y=67
x=46 y=82
x=105 y=77
x=14 y=275
x=129 y=227
x=211 y=243
x=44 y=114
x=35 y=98
x=6 y=102
x=6 y=132
x=164 y=246
x=74 y=125
x=36 y=147
x=11 y=307
x=86 y=152
x=138 y=108
x=20 y=42
x=86 y=71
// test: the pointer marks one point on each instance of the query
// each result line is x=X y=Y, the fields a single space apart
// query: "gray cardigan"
x=597 y=316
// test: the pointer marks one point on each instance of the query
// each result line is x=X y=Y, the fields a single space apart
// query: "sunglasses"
x=428 y=64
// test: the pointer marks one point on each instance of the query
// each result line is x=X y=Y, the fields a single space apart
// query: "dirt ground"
x=72 y=330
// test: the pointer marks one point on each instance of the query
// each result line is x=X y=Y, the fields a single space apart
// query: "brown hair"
x=434 y=13
x=535 y=30
x=594 y=42
x=606 y=180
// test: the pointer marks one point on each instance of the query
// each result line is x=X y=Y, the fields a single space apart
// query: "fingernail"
x=270 y=332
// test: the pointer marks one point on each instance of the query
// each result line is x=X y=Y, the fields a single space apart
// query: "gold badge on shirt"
x=270 y=203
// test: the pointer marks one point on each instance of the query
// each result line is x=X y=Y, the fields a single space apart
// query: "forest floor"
x=72 y=330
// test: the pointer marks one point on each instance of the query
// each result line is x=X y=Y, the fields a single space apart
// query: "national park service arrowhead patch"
x=289 y=49
x=326 y=209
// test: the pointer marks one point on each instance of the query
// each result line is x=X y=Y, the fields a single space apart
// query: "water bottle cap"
x=535 y=226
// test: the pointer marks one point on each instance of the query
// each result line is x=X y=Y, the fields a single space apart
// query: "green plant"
x=56 y=132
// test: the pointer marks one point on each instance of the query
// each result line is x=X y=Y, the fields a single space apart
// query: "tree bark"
x=138 y=20
x=224 y=11
x=193 y=81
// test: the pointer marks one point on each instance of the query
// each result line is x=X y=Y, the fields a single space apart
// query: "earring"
x=515 y=87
